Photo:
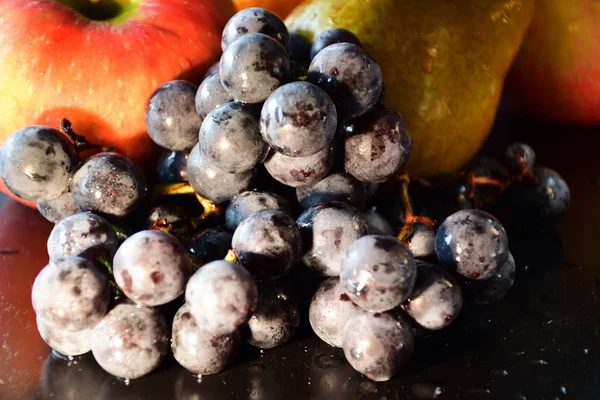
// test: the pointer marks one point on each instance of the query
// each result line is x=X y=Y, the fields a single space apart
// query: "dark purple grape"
x=485 y=194
x=83 y=234
x=249 y=202
x=495 y=288
x=267 y=243
x=199 y=351
x=436 y=299
x=335 y=187
x=37 y=162
x=170 y=216
x=221 y=297
x=171 y=118
x=230 y=138
x=377 y=145
x=212 y=183
x=171 y=167
x=152 y=268
x=298 y=48
x=350 y=77
x=473 y=243
x=108 y=183
x=328 y=230
x=211 y=94
x=422 y=241
x=130 y=341
x=377 y=345
x=254 y=20
x=211 y=244
x=298 y=119
x=299 y=171
x=63 y=340
x=56 y=209
x=330 y=309
x=332 y=36
x=253 y=66
x=213 y=69
x=517 y=155
x=378 y=224
x=275 y=320
x=71 y=292
x=378 y=272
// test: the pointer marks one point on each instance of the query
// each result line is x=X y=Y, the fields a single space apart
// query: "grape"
x=221 y=297
x=299 y=171
x=37 y=162
x=335 y=187
x=213 y=69
x=171 y=167
x=377 y=345
x=332 y=36
x=436 y=299
x=485 y=194
x=171 y=118
x=378 y=272
x=377 y=145
x=83 y=234
x=210 y=95
x=152 y=268
x=250 y=202
x=330 y=309
x=350 y=77
x=199 y=351
x=377 y=224
x=212 y=183
x=517 y=153
x=108 y=183
x=267 y=243
x=472 y=242
x=371 y=189
x=253 y=66
x=63 y=340
x=298 y=48
x=275 y=320
x=172 y=216
x=495 y=288
x=211 y=244
x=130 y=341
x=328 y=230
x=71 y=293
x=422 y=241
x=231 y=139
x=298 y=119
x=254 y=20
x=56 y=209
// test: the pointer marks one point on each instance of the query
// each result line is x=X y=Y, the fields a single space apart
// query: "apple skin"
x=555 y=76
x=55 y=63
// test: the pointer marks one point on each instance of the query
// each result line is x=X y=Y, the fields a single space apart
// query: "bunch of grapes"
x=277 y=166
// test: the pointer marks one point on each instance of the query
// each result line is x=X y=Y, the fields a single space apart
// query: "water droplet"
x=539 y=362
x=126 y=381
x=426 y=390
x=521 y=396
x=199 y=378
x=563 y=390
x=259 y=367
x=367 y=387
x=478 y=391
x=586 y=351
x=326 y=361
x=499 y=372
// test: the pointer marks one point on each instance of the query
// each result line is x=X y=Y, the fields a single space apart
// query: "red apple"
x=97 y=62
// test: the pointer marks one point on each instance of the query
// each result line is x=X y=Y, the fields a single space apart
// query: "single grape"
x=377 y=345
x=210 y=95
x=275 y=320
x=518 y=155
x=298 y=119
x=83 y=234
x=485 y=194
x=211 y=244
x=171 y=118
x=221 y=297
x=199 y=351
x=171 y=166
x=72 y=293
x=299 y=171
x=378 y=272
x=130 y=341
x=56 y=209
x=495 y=288
x=252 y=67
x=108 y=183
x=170 y=216
x=377 y=145
x=247 y=203
x=332 y=36
x=254 y=20
x=230 y=138
x=212 y=183
x=213 y=69
x=63 y=340
x=37 y=162
x=328 y=230
x=472 y=242
x=298 y=48
x=350 y=77
x=267 y=243
x=436 y=299
x=330 y=309
x=335 y=187
x=378 y=225
x=152 y=268
x=422 y=241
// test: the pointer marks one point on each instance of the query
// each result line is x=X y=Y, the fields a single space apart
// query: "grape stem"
x=170 y=189
x=410 y=219
x=80 y=142
x=109 y=268
x=231 y=256
x=209 y=207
